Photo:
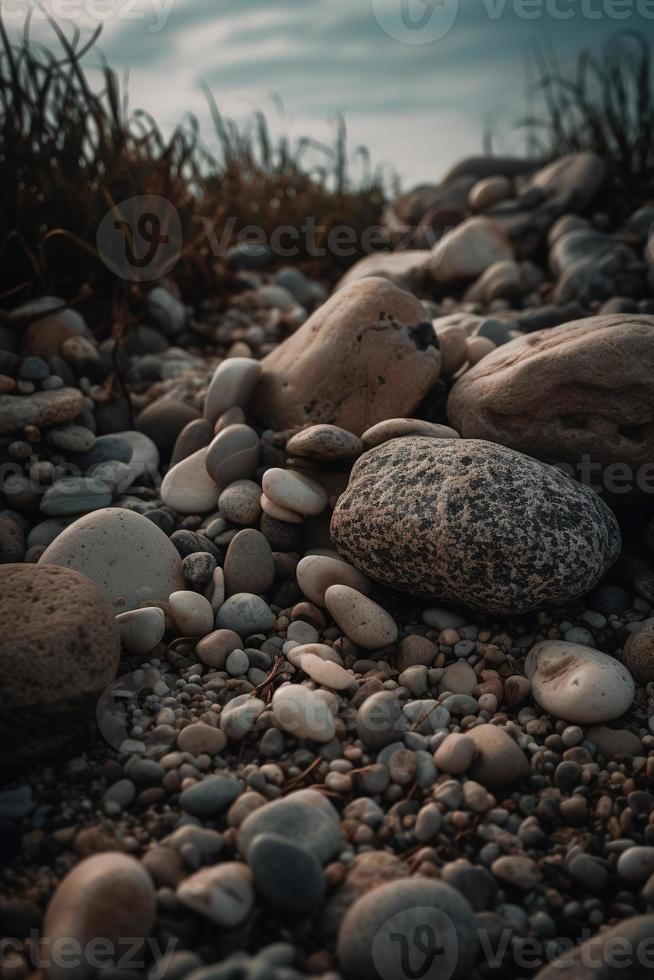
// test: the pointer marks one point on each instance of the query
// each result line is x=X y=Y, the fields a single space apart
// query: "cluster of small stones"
x=294 y=762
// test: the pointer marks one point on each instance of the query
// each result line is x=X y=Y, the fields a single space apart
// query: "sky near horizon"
x=418 y=81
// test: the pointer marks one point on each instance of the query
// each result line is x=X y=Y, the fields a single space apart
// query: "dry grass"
x=605 y=105
x=69 y=153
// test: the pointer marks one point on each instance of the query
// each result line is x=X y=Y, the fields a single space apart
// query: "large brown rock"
x=473 y=523
x=368 y=354
x=580 y=391
x=59 y=649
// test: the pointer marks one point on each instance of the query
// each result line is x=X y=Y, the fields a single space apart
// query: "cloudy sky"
x=417 y=80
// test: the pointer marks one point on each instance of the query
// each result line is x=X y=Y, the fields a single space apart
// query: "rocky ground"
x=326 y=622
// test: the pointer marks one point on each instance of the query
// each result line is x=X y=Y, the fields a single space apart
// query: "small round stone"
x=200 y=737
x=397 y=428
x=636 y=864
x=638 y=654
x=187 y=487
x=293 y=491
x=232 y=384
x=303 y=713
x=141 y=629
x=233 y=454
x=324 y=442
x=577 y=683
x=198 y=568
x=499 y=761
x=361 y=619
x=286 y=874
x=315 y=574
x=456 y=754
x=192 y=613
x=240 y=502
x=223 y=893
x=214 y=649
x=212 y=796
x=249 y=565
x=245 y=614
x=237 y=663
x=75 y=495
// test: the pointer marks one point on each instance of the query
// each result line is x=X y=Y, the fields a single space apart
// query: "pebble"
x=361 y=619
x=126 y=555
x=517 y=871
x=239 y=716
x=304 y=815
x=316 y=573
x=249 y=565
x=458 y=678
x=233 y=454
x=324 y=672
x=293 y=491
x=303 y=713
x=636 y=864
x=638 y=654
x=380 y=720
x=200 y=737
x=141 y=629
x=397 y=428
x=367 y=940
x=237 y=663
x=75 y=495
x=577 y=683
x=192 y=613
x=286 y=874
x=456 y=754
x=224 y=894
x=245 y=614
x=214 y=649
x=107 y=895
x=500 y=761
x=71 y=439
x=324 y=442
x=240 y=502
x=199 y=568
x=278 y=513
x=212 y=796
x=40 y=409
x=187 y=487
x=232 y=384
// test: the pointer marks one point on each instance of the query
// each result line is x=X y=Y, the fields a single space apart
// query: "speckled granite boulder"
x=59 y=649
x=369 y=353
x=583 y=389
x=473 y=523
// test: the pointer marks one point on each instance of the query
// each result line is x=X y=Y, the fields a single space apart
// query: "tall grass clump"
x=69 y=152
x=603 y=104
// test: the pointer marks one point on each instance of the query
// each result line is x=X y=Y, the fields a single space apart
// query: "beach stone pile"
x=314 y=642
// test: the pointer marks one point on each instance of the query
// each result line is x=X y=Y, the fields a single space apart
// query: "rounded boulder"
x=473 y=523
